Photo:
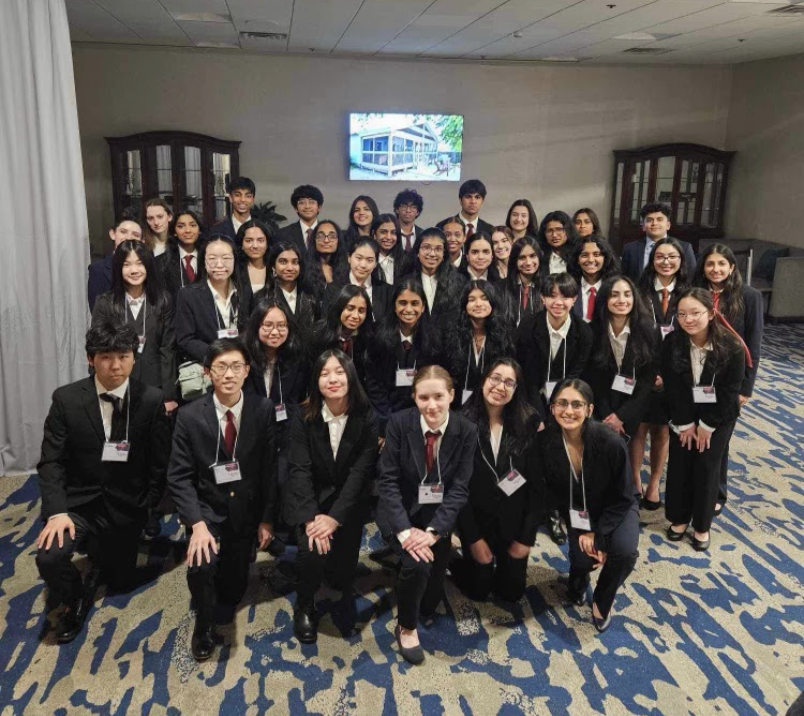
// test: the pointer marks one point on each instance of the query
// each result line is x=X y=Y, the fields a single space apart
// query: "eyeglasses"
x=429 y=249
x=666 y=258
x=326 y=237
x=270 y=327
x=409 y=207
x=220 y=369
x=215 y=260
x=564 y=404
x=496 y=380
x=555 y=231
x=695 y=315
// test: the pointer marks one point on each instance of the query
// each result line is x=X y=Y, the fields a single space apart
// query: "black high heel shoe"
x=674 y=536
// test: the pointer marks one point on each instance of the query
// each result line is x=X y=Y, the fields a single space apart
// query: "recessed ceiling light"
x=518 y=35
x=265 y=35
x=201 y=17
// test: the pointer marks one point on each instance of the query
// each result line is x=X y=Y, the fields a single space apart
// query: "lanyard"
x=574 y=476
x=232 y=314
x=478 y=356
x=485 y=459
x=550 y=359
x=279 y=379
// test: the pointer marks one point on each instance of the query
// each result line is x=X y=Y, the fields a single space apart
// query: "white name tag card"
x=666 y=331
x=404 y=377
x=623 y=384
x=511 y=482
x=281 y=412
x=431 y=494
x=115 y=452
x=704 y=394
x=580 y=520
x=228 y=333
x=226 y=472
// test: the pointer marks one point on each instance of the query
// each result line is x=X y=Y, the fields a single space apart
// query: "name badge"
x=404 y=377
x=141 y=345
x=704 y=394
x=226 y=472
x=511 y=482
x=228 y=333
x=281 y=412
x=579 y=519
x=666 y=331
x=431 y=494
x=466 y=394
x=623 y=384
x=115 y=452
x=549 y=387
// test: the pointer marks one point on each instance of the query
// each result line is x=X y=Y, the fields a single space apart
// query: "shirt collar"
x=304 y=226
x=355 y=282
x=328 y=417
x=707 y=346
x=221 y=409
x=403 y=337
x=119 y=392
x=290 y=293
x=135 y=301
x=626 y=331
x=217 y=296
x=466 y=220
x=586 y=286
x=657 y=285
x=564 y=328
x=183 y=253
x=442 y=428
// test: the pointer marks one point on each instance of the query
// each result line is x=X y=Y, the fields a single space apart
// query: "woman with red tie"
x=591 y=264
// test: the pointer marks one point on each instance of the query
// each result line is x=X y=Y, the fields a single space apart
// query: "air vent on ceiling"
x=787 y=10
x=648 y=50
x=265 y=35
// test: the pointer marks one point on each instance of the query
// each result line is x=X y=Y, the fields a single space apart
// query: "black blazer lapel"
x=320 y=433
x=211 y=417
x=351 y=435
x=416 y=442
x=246 y=436
x=92 y=408
x=449 y=442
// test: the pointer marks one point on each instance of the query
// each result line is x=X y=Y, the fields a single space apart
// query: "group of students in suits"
x=498 y=380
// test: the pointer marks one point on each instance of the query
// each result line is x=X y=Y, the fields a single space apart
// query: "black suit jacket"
x=533 y=349
x=512 y=300
x=634 y=257
x=225 y=227
x=491 y=514
x=99 y=280
x=402 y=467
x=750 y=325
x=318 y=482
x=307 y=306
x=198 y=320
x=676 y=370
x=610 y=495
x=480 y=225
x=292 y=233
x=71 y=472
x=191 y=479
x=172 y=269
x=156 y=365
x=417 y=230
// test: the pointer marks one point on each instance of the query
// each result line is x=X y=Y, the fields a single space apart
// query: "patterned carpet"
x=714 y=633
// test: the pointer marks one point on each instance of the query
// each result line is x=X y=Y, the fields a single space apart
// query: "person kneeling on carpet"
x=222 y=475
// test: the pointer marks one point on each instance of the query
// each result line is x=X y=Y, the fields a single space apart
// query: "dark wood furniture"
x=691 y=178
x=187 y=170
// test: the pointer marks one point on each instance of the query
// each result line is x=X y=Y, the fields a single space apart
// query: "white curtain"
x=44 y=247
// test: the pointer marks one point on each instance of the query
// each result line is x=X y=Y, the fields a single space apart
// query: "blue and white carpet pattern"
x=713 y=633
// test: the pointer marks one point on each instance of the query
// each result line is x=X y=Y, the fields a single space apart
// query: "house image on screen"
x=389 y=150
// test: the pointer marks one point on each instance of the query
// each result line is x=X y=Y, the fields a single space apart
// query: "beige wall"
x=766 y=128
x=543 y=132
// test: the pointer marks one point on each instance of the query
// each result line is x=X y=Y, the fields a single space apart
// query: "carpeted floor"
x=714 y=633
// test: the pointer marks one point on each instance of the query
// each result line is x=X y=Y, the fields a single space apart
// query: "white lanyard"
x=485 y=459
x=478 y=357
x=573 y=476
x=279 y=379
x=218 y=443
x=232 y=314
x=437 y=448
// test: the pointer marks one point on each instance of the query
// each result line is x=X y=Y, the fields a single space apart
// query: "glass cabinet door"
x=131 y=181
x=164 y=172
x=221 y=174
x=193 y=184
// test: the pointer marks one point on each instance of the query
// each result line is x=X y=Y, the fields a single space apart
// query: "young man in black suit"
x=222 y=476
x=104 y=454
x=240 y=193
x=100 y=271
x=307 y=200
x=472 y=194
x=655 y=220
x=408 y=206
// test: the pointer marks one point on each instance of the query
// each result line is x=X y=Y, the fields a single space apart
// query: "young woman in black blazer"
x=624 y=362
x=592 y=262
x=558 y=241
x=522 y=286
x=385 y=231
x=423 y=479
x=665 y=277
x=180 y=265
x=362 y=268
x=333 y=452
x=137 y=298
x=739 y=308
x=585 y=467
x=477 y=339
x=288 y=283
x=455 y=232
x=502 y=241
x=498 y=525
x=403 y=343
x=200 y=317
x=253 y=239
x=479 y=253
x=521 y=219
x=586 y=223
x=326 y=252
x=703 y=366
x=362 y=213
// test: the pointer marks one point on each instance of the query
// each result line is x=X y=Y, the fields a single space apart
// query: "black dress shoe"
x=701 y=545
x=576 y=598
x=71 y=622
x=304 y=627
x=153 y=525
x=276 y=547
x=718 y=510
x=601 y=624
x=651 y=505
x=674 y=536
x=203 y=642
x=414 y=654
x=557 y=533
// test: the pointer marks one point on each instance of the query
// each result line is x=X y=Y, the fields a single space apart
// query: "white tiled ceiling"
x=589 y=31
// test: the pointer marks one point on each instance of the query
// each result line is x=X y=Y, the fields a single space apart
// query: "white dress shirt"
x=268 y=376
x=457 y=262
x=474 y=277
x=697 y=360
x=387 y=266
x=618 y=343
x=585 y=295
x=221 y=410
x=135 y=304
x=106 y=408
x=557 y=264
x=159 y=248
x=429 y=284
x=304 y=228
x=336 y=425
x=557 y=337
x=366 y=285
x=237 y=224
x=290 y=297
x=495 y=440
x=474 y=222
x=224 y=304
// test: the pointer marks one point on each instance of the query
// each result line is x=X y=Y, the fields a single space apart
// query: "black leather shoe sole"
x=557 y=533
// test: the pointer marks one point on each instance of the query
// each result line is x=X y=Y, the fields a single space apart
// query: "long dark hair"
x=271 y=283
x=611 y=264
x=533 y=221
x=723 y=341
x=596 y=230
x=648 y=277
x=352 y=232
x=731 y=303
x=202 y=231
x=449 y=281
x=357 y=402
x=386 y=335
x=519 y=429
x=328 y=330
x=317 y=281
x=512 y=279
x=397 y=253
x=288 y=351
x=154 y=292
x=241 y=234
x=341 y=272
x=643 y=333
x=568 y=249
x=492 y=272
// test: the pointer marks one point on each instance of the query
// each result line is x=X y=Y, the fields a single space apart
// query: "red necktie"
x=470 y=229
x=346 y=346
x=188 y=267
x=407 y=238
x=309 y=237
x=407 y=345
x=525 y=296
x=430 y=438
x=230 y=434
x=665 y=301
x=590 y=304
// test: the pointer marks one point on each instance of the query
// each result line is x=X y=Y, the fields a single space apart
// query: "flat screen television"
x=405 y=147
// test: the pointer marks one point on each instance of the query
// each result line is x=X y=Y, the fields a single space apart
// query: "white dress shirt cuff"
x=58 y=514
x=403 y=535
x=702 y=424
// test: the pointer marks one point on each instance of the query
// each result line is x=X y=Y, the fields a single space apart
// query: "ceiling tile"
x=261 y=15
x=320 y=23
x=181 y=7
x=211 y=34
x=96 y=22
x=149 y=11
x=378 y=22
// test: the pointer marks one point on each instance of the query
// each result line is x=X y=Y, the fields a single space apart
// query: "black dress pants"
x=505 y=576
x=693 y=480
x=111 y=549
x=225 y=577
x=420 y=587
x=340 y=565
x=621 y=555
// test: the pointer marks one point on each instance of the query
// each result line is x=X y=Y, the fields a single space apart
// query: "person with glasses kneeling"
x=333 y=452
x=423 y=475
x=498 y=526
x=222 y=475
x=588 y=476
x=703 y=366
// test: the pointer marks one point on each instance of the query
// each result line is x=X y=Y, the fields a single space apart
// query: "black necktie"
x=118 y=419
